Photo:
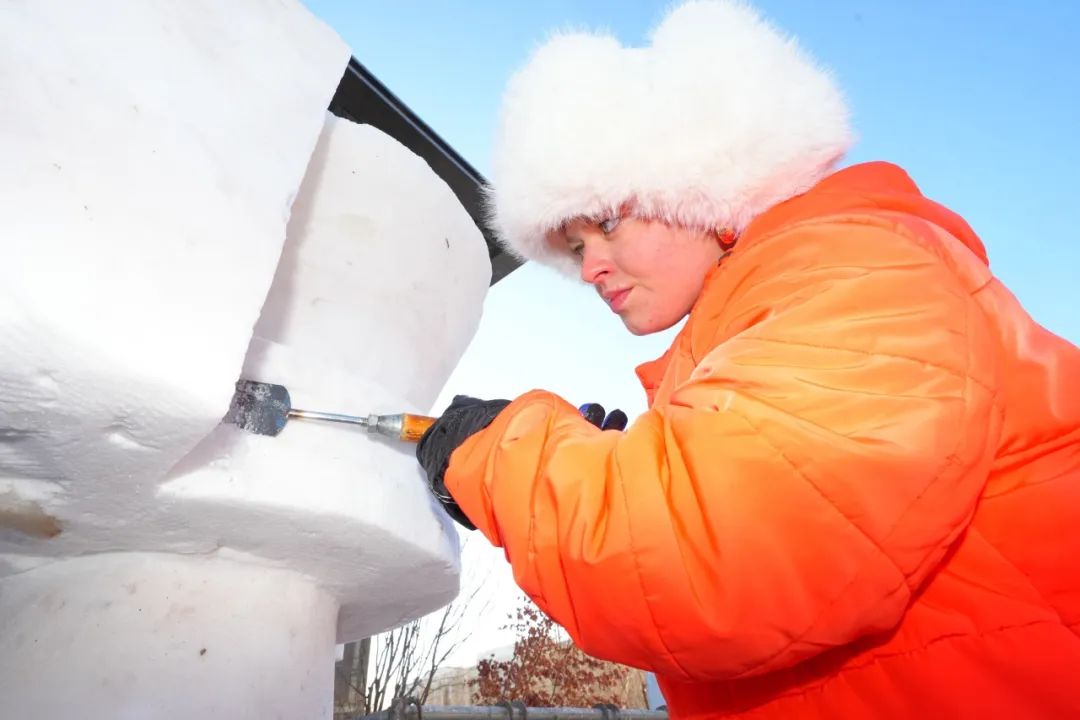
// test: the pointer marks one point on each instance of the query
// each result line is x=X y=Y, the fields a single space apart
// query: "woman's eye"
x=608 y=226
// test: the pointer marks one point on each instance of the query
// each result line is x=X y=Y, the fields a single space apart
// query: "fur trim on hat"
x=718 y=119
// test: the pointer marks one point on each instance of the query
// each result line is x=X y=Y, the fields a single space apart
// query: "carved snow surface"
x=379 y=290
x=152 y=151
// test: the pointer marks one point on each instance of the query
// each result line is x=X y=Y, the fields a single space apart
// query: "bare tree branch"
x=404 y=662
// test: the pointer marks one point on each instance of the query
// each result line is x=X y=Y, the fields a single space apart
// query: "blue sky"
x=978 y=101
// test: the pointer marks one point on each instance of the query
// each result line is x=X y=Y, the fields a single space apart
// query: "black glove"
x=594 y=413
x=464 y=417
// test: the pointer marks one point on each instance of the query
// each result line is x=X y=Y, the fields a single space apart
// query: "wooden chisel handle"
x=413 y=427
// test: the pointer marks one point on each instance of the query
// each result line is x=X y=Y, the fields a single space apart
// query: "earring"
x=726 y=238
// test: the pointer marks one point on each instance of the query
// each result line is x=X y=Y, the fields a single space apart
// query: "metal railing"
x=410 y=709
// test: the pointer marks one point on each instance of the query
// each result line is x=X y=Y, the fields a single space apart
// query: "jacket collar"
x=868 y=187
x=651 y=374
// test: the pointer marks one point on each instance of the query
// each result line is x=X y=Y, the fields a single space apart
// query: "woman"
x=856 y=490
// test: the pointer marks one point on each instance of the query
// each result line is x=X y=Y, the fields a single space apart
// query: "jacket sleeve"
x=792 y=494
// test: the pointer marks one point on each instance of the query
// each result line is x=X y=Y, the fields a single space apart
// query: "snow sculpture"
x=160 y=563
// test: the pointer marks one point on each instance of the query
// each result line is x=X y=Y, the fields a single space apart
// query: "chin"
x=646 y=327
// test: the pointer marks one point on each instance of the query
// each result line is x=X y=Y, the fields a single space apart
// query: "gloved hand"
x=594 y=413
x=464 y=417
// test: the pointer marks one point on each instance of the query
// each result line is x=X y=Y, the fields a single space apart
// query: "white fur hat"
x=718 y=119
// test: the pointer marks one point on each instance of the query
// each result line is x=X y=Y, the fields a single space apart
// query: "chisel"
x=265 y=409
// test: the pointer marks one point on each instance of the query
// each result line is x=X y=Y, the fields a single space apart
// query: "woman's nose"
x=595 y=262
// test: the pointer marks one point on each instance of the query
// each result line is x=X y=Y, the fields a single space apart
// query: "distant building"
x=452 y=686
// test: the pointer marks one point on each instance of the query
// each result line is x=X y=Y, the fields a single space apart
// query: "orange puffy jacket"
x=856 y=492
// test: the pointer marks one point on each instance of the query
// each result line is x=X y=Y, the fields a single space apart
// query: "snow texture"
x=154 y=637
x=152 y=151
x=378 y=293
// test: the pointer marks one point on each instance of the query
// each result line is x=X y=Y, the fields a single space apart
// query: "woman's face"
x=650 y=274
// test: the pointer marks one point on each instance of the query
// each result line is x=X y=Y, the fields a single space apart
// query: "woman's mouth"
x=617 y=300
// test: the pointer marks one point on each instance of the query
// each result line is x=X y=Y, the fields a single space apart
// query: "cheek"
x=644 y=258
x=675 y=280
x=665 y=270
